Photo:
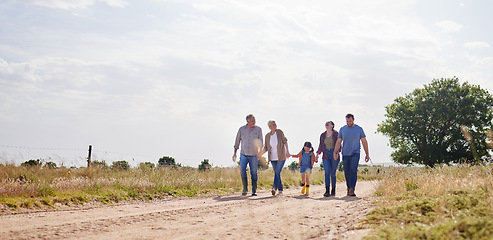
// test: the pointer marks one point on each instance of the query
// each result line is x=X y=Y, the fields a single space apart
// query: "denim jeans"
x=351 y=169
x=330 y=168
x=277 y=166
x=253 y=162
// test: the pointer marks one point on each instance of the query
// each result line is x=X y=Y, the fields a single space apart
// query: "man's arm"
x=337 y=148
x=365 y=147
x=237 y=144
x=234 y=155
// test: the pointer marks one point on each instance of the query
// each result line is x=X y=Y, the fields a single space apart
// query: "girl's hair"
x=309 y=145
x=333 y=125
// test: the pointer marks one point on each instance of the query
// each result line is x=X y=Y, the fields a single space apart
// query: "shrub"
x=293 y=166
x=50 y=165
x=147 y=165
x=101 y=164
x=168 y=161
x=205 y=165
x=32 y=163
x=120 y=165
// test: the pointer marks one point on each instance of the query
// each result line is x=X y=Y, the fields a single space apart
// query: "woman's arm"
x=321 y=144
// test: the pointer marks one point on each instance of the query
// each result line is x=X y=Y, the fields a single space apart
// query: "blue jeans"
x=253 y=162
x=330 y=168
x=351 y=169
x=277 y=166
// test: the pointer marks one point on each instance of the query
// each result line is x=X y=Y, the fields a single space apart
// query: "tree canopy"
x=205 y=165
x=424 y=126
x=168 y=161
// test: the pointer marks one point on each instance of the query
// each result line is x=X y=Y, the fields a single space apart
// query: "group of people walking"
x=331 y=144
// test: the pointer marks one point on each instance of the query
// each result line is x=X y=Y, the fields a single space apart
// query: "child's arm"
x=313 y=160
x=299 y=157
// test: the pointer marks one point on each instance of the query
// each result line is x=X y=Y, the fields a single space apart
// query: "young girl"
x=306 y=160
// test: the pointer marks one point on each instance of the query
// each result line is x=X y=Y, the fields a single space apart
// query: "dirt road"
x=291 y=216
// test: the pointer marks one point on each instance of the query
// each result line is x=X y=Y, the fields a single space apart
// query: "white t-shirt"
x=273 y=151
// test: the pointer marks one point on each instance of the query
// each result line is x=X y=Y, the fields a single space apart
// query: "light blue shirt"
x=351 y=137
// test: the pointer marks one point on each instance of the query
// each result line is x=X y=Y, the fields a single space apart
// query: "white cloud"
x=115 y=3
x=476 y=45
x=200 y=66
x=448 y=26
x=76 y=4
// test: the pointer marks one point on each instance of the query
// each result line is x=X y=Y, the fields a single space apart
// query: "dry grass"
x=33 y=187
x=68 y=186
x=453 y=202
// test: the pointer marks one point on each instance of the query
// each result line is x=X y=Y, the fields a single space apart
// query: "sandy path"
x=291 y=216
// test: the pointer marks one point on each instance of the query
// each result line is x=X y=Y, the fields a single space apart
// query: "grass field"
x=35 y=187
x=451 y=202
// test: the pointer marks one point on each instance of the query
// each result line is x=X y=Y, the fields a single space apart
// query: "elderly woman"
x=276 y=145
x=328 y=140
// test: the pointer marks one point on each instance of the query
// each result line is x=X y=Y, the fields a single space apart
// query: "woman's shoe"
x=303 y=190
x=327 y=194
x=273 y=192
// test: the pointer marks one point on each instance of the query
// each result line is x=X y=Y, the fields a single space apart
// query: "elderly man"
x=250 y=137
x=351 y=135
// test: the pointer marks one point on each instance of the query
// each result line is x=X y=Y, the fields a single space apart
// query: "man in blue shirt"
x=351 y=135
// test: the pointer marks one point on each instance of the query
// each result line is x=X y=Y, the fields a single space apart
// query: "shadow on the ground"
x=235 y=198
x=321 y=198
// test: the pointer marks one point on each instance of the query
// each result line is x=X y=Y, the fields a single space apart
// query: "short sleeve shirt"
x=351 y=137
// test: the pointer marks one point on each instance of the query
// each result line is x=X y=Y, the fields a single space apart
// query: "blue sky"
x=144 y=79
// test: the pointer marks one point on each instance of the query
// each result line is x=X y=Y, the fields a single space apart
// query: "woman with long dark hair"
x=328 y=140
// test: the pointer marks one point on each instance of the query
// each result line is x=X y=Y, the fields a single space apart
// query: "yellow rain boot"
x=303 y=189
x=307 y=190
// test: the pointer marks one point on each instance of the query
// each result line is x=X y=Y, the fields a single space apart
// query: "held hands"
x=336 y=156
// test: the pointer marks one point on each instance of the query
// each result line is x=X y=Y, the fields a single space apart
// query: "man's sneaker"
x=279 y=193
x=254 y=194
x=273 y=192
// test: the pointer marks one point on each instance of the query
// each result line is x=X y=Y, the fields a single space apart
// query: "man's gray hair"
x=270 y=122
x=250 y=116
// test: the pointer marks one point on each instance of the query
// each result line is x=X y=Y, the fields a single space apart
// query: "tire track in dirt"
x=291 y=216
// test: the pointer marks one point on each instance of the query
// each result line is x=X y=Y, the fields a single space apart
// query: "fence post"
x=89 y=156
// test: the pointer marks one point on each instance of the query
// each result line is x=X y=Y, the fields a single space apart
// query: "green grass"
x=452 y=202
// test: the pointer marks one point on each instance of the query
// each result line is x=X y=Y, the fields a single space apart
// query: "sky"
x=139 y=80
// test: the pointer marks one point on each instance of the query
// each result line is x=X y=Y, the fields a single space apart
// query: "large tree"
x=424 y=127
